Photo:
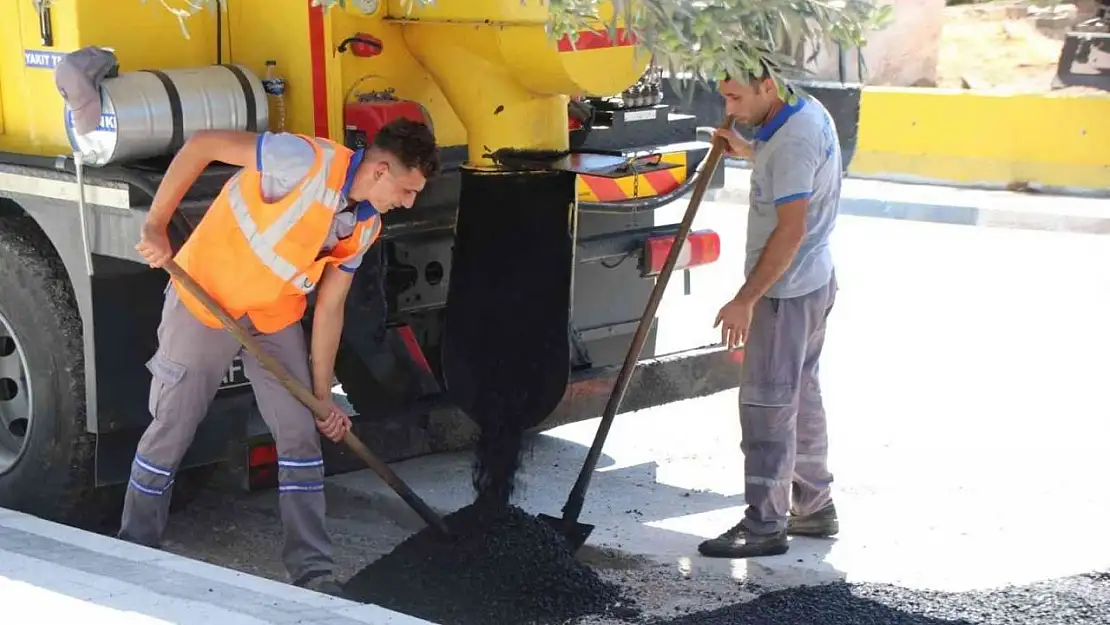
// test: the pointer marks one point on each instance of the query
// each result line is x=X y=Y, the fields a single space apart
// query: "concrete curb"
x=65 y=575
x=951 y=205
x=968 y=136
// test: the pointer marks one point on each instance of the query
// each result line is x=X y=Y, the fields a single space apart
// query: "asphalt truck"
x=510 y=291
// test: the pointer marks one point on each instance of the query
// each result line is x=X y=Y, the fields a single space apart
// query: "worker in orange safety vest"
x=296 y=218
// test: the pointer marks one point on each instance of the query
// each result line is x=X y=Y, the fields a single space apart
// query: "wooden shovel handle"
x=319 y=408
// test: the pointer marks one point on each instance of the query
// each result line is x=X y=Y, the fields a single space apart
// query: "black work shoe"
x=738 y=542
x=321 y=583
x=820 y=524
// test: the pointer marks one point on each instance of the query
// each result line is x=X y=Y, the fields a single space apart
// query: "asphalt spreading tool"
x=319 y=408
x=575 y=532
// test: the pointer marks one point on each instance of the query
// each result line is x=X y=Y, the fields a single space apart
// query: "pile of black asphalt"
x=1077 y=600
x=500 y=565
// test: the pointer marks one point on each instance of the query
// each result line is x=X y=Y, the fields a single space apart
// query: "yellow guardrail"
x=1053 y=140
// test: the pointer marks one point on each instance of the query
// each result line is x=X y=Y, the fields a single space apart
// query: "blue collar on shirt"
x=364 y=210
x=768 y=130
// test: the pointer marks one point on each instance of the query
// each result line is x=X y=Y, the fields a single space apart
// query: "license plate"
x=639 y=116
x=235 y=376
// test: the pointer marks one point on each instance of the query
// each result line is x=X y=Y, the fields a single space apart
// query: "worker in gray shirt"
x=779 y=316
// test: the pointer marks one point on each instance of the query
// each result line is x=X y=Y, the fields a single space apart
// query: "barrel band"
x=248 y=95
x=178 y=138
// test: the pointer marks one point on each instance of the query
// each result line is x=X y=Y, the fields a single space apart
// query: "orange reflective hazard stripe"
x=633 y=186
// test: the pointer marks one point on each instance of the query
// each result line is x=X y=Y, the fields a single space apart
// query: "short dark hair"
x=412 y=143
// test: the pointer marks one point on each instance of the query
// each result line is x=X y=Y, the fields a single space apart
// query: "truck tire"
x=46 y=456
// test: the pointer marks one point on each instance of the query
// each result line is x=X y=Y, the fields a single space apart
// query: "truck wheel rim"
x=15 y=397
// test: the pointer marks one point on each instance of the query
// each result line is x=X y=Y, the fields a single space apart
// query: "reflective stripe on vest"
x=263 y=242
x=367 y=232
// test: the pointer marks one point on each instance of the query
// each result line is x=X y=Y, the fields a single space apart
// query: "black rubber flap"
x=506 y=348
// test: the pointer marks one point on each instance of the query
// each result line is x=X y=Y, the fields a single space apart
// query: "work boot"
x=820 y=524
x=739 y=542
x=322 y=583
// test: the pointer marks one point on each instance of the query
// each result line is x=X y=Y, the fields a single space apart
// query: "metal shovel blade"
x=573 y=532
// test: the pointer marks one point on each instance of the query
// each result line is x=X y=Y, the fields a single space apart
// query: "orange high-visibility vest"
x=262 y=259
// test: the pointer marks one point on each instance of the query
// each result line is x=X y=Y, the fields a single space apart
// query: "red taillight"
x=412 y=346
x=701 y=248
x=262 y=455
x=262 y=469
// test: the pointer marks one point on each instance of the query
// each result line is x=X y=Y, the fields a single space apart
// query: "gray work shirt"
x=284 y=160
x=797 y=155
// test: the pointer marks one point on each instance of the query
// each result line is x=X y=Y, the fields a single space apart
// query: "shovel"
x=306 y=397
x=575 y=532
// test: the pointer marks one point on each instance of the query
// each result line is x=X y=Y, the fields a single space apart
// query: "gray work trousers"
x=187 y=369
x=782 y=420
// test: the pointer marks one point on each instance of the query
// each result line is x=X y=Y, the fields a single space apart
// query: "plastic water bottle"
x=275 y=89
